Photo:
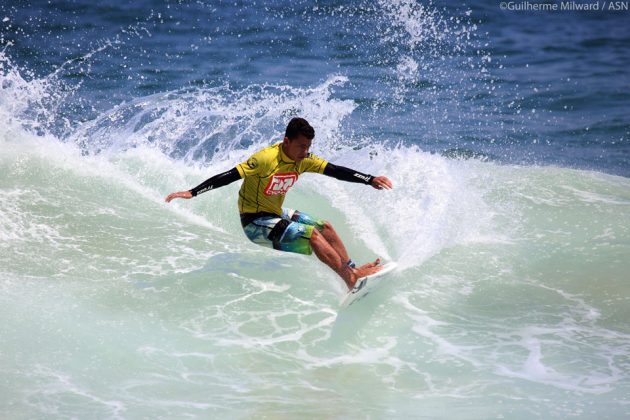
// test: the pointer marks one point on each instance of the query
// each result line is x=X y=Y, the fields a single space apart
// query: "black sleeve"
x=216 y=181
x=347 y=174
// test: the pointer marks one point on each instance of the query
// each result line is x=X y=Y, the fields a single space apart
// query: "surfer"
x=268 y=175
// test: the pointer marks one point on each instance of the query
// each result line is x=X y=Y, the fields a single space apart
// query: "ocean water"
x=506 y=134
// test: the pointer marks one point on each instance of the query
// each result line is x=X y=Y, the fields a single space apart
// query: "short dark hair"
x=299 y=126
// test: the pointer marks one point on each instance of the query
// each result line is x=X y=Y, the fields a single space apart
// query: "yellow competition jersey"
x=268 y=175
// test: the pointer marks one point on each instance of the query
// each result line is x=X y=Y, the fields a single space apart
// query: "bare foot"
x=365 y=270
x=362 y=272
x=370 y=264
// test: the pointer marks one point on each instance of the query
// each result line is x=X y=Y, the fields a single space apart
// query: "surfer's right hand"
x=180 y=194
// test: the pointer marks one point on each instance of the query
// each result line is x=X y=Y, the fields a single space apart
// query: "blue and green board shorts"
x=290 y=232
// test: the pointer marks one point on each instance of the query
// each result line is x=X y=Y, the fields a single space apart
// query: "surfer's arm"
x=350 y=175
x=216 y=181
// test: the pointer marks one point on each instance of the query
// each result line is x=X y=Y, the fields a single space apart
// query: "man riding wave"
x=268 y=175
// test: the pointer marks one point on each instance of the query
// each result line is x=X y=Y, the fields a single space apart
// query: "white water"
x=512 y=298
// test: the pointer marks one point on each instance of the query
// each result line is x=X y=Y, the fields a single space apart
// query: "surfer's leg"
x=290 y=236
x=329 y=256
x=335 y=241
x=325 y=228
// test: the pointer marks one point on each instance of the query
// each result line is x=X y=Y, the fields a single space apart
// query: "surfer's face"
x=296 y=149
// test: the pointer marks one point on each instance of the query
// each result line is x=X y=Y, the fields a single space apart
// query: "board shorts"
x=290 y=232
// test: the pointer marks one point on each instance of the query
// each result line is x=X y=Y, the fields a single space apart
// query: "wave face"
x=511 y=298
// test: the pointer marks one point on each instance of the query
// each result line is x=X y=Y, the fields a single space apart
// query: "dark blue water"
x=461 y=79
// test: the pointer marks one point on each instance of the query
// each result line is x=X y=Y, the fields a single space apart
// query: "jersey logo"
x=280 y=183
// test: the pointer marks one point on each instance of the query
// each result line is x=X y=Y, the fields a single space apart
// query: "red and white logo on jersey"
x=280 y=183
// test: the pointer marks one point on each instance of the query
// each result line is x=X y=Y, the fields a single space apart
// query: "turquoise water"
x=511 y=300
x=510 y=216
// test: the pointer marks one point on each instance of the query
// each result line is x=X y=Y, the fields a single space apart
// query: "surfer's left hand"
x=382 y=183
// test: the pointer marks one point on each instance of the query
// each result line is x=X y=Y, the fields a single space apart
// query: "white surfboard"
x=366 y=284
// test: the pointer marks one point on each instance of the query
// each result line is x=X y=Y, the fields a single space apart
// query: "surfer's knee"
x=327 y=226
x=316 y=236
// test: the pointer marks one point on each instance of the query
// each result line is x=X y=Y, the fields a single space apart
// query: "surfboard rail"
x=365 y=285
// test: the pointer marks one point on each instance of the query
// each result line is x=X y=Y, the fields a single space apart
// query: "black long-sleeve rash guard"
x=216 y=181
x=339 y=172
x=346 y=174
